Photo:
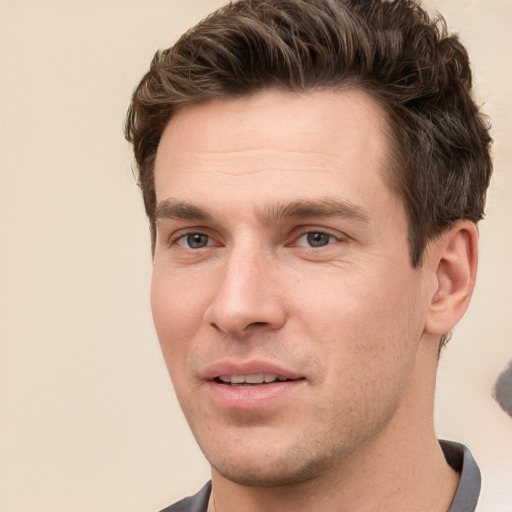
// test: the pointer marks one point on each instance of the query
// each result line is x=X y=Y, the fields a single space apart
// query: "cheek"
x=360 y=324
x=178 y=300
x=343 y=302
x=367 y=349
x=176 y=322
x=177 y=309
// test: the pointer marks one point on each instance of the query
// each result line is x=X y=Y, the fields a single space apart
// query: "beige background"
x=88 y=420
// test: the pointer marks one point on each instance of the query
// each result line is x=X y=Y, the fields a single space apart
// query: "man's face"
x=282 y=257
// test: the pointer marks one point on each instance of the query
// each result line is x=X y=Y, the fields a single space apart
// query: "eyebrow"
x=170 y=209
x=328 y=207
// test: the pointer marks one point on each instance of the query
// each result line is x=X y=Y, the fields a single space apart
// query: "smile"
x=251 y=380
x=254 y=385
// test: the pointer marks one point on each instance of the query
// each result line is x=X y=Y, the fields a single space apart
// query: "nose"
x=248 y=297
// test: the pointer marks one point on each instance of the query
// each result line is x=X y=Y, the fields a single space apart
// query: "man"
x=313 y=172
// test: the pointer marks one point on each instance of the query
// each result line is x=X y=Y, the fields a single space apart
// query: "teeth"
x=254 y=379
x=257 y=378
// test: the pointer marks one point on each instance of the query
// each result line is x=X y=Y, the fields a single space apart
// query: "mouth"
x=256 y=379
x=255 y=384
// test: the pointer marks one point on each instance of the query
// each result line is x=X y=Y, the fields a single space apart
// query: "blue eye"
x=194 y=241
x=315 y=239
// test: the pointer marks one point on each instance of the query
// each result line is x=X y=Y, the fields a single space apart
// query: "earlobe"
x=453 y=259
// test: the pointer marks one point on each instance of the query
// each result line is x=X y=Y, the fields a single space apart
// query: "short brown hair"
x=390 y=48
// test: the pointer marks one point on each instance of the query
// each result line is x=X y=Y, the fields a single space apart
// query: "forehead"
x=275 y=144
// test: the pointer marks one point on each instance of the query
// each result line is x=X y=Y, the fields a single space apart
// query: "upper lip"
x=252 y=367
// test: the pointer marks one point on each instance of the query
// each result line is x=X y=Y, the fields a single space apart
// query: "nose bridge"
x=246 y=295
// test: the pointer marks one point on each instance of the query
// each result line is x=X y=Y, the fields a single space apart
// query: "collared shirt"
x=457 y=456
x=461 y=460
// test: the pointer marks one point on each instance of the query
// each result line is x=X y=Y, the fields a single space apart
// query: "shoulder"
x=196 y=503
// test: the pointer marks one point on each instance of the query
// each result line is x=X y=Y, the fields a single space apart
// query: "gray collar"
x=460 y=459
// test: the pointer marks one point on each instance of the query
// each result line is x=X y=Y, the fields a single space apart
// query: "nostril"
x=251 y=326
x=257 y=324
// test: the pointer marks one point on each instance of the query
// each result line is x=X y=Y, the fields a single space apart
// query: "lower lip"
x=251 y=397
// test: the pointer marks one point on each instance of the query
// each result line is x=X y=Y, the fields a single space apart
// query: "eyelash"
x=330 y=239
x=184 y=236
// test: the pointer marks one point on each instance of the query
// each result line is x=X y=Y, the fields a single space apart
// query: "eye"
x=194 y=241
x=315 y=239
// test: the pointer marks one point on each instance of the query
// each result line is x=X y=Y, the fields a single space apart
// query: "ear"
x=453 y=259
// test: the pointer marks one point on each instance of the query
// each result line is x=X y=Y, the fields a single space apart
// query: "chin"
x=266 y=478
x=272 y=470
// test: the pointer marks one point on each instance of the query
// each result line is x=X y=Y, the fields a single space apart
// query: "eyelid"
x=309 y=246
x=181 y=234
x=305 y=230
x=174 y=237
x=184 y=238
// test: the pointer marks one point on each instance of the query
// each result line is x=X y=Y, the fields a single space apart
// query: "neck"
x=401 y=469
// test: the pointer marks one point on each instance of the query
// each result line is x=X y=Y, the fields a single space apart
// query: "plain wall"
x=88 y=420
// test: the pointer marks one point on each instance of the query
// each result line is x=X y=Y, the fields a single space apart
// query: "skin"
x=280 y=243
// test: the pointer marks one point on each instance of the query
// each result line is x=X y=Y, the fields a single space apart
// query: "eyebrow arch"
x=169 y=209
x=328 y=207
